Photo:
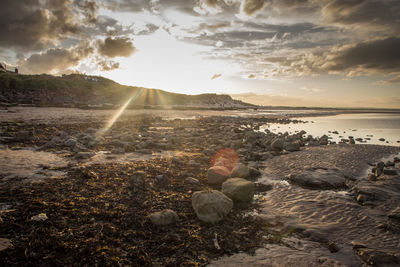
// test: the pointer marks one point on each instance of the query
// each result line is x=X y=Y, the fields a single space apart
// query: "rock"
x=71 y=142
x=161 y=180
x=389 y=172
x=361 y=198
x=389 y=163
x=254 y=173
x=379 y=168
x=211 y=206
x=333 y=248
x=238 y=189
x=293 y=146
x=241 y=171
x=164 y=217
x=323 y=140
x=192 y=181
x=23 y=136
x=137 y=180
x=40 y=217
x=277 y=144
x=371 y=177
x=382 y=139
x=5 y=244
x=376 y=257
x=395 y=214
x=217 y=175
x=84 y=155
x=193 y=163
x=319 y=179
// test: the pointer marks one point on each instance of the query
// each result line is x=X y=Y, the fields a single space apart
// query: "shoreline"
x=85 y=188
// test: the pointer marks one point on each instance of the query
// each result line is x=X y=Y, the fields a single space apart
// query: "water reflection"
x=370 y=128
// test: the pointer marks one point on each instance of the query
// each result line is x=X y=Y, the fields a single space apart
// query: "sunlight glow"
x=118 y=114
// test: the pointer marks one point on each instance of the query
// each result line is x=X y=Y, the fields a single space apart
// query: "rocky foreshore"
x=158 y=191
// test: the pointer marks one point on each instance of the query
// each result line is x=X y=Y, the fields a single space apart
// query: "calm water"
x=371 y=126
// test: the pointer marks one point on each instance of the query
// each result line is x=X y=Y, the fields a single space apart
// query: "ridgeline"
x=83 y=91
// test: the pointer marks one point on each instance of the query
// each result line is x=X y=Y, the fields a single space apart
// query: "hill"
x=77 y=90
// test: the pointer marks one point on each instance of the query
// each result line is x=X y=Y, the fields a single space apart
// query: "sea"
x=369 y=128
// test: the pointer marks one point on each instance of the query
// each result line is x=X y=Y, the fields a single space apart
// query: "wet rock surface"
x=322 y=179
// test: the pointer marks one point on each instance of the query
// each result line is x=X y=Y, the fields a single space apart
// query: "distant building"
x=9 y=69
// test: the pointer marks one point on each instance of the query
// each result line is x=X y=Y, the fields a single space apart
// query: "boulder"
x=211 y=206
x=217 y=175
x=238 y=189
x=71 y=142
x=241 y=171
x=319 y=179
x=277 y=144
x=292 y=146
x=164 y=217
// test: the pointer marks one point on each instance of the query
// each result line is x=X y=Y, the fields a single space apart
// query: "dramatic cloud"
x=375 y=13
x=252 y=7
x=55 y=60
x=116 y=47
x=378 y=55
x=108 y=65
x=37 y=24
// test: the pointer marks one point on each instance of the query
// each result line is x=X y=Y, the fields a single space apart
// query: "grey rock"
x=70 y=142
x=161 y=180
x=292 y=146
x=319 y=179
x=137 y=180
x=192 y=181
x=277 y=144
x=84 y=155
x=238 y=189
x=241 y=171
x=216 y=175
x=211 y=206
x=164 y=217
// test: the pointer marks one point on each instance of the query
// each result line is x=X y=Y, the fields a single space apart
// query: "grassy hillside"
x=81 y=90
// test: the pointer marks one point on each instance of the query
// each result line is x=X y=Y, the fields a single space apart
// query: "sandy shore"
x=314 y=202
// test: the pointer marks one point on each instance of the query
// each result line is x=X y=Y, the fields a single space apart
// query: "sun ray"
x=114 y=118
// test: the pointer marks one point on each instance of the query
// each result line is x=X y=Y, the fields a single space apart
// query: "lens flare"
x=114 y=118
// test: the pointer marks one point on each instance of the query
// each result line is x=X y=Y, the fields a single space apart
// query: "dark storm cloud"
x=55 y=59
x=379 y=55
x=116 y=47
x=372 y=12
x=34 y=25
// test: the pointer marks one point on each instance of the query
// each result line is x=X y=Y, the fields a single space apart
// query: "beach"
x=317 y=201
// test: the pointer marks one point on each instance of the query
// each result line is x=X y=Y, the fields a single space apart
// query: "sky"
x=336 y=53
